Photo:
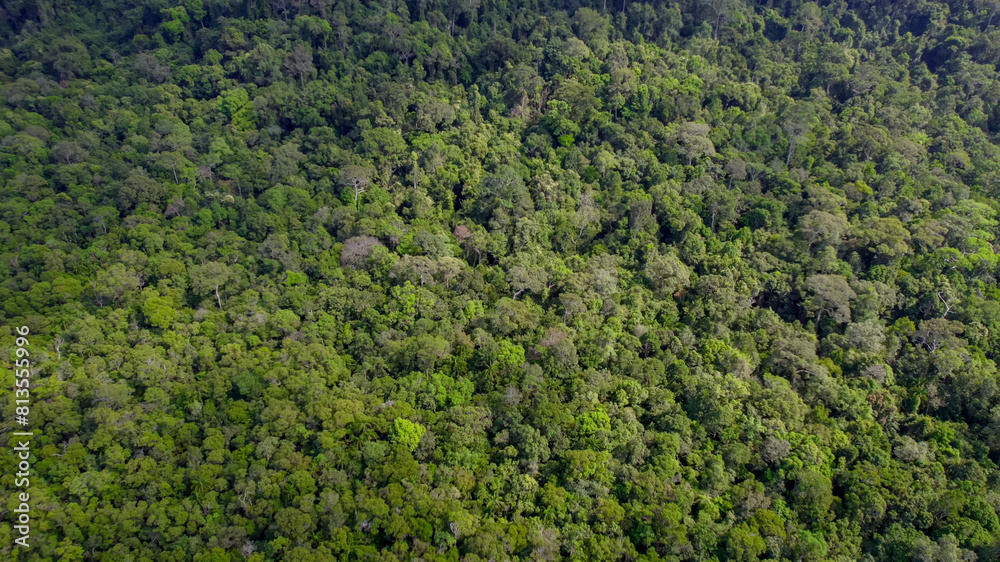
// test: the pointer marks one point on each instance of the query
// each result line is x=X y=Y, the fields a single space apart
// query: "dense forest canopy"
x=480 y=280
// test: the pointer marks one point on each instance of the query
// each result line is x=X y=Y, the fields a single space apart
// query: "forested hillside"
x=471 y=280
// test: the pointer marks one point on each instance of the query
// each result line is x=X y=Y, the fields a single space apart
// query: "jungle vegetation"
x=473 y=280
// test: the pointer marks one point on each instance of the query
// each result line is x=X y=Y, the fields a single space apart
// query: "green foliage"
x=504 y=280
x=235 y=104
x=407 y=433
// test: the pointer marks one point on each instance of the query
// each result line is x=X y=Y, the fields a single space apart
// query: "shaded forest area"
x=471 y=280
